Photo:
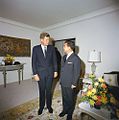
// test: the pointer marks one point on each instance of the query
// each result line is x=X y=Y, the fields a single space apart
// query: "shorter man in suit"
x=69 y=76
x=44 y=66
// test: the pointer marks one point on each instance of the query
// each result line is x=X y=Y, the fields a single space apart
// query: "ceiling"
x=44 y=13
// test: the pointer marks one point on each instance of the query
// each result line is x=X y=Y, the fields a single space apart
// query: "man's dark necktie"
x=45 y=51
x=65 y=58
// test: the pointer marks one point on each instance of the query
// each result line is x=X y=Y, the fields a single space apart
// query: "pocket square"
x=70 y=63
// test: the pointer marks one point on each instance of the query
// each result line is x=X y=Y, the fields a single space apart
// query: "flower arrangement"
x=98 y=95
x=8 y=59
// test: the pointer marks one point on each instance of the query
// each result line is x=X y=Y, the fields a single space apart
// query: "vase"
x=97 y=106
x=8 y=62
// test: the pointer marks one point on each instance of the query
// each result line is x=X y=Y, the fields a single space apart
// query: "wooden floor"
x=15 y=94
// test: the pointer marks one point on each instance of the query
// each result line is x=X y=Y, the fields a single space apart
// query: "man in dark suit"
x=69 y=76
x=44 y=66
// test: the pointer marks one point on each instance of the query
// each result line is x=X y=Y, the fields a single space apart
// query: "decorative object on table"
x=98 y=96
x=94 y=57
x=8 y=59
x=2 y=63
x=17 y=63
x=112 y=78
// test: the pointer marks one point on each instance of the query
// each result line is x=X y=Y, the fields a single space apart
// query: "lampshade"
x=94 y=56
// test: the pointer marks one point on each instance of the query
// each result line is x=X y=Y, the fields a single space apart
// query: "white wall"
x=21 y=32
x=101 y=33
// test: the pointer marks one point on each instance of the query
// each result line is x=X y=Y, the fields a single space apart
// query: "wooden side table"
x=5 y=68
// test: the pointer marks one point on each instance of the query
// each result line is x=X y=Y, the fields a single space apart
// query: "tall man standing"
x=70 y=73
x=44 y=66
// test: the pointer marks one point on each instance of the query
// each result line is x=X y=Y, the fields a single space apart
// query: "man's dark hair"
x=70 y=44
x=44 y=34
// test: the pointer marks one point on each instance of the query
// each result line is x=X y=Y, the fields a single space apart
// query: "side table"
x=5 y=68
x=101 y=114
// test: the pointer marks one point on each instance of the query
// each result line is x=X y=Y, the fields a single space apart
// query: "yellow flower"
x=100 y=79
x=103 y=94
x=89 y=93
x=96 y=83
x=92 y=76
x=94 y=90
x=94 y=97
x=98 y=93
x=92 y=102
x=104 y=99
x=9 y=58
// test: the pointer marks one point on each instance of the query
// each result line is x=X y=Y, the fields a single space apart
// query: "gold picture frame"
x=18 y=47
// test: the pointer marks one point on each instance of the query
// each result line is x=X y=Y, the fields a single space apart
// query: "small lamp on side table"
x=94 y=57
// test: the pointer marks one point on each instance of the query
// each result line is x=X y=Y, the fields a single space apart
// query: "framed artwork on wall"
x=18 y=47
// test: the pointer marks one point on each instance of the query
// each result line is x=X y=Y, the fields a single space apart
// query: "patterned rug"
x=28 y=111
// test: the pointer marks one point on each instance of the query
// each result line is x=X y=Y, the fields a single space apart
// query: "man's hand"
x=55 y=74
x=36 y=77
x=73 y=86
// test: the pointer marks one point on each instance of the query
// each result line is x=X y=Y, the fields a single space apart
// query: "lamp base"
x=93 y=68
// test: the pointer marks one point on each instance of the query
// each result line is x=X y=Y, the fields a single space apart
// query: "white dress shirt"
x=43 y=49
x=69 y=54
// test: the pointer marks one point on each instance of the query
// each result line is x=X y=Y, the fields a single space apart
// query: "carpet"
x=28 y=111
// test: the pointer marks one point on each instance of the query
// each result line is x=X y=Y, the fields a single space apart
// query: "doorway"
x=59 y=45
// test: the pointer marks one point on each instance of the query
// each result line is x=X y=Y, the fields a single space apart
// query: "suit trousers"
x=45 y=92
x=69 y=99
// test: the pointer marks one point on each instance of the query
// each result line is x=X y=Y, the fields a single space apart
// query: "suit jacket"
x=40 y=64
x=70 y=70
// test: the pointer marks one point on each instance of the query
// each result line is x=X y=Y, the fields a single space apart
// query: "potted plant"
x=8 y=59
x=98 y=96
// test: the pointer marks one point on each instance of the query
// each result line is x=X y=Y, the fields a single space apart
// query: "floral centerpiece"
x=97 y=94
x=8 y=59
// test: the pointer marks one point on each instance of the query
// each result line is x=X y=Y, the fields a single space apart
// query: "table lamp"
x=94 y=57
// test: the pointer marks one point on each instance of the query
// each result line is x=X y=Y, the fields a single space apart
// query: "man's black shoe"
x=62 y=114
x=40 y=112
x=50 y=110
x=69 y=117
